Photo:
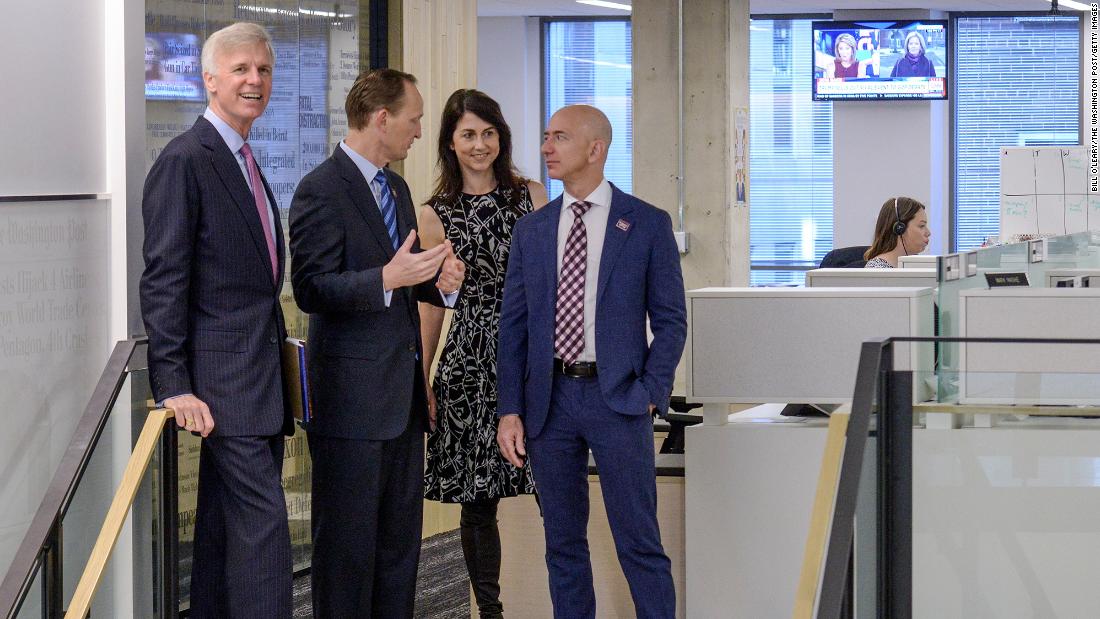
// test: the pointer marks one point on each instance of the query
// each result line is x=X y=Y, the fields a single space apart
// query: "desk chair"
x=845 y=258
x=678 y=419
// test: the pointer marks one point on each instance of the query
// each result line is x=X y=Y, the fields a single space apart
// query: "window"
x=590 y=62
x=790 y=156
x=1017 y=84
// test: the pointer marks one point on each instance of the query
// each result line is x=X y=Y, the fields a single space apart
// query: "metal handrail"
x=42 y=542
x=116 y=515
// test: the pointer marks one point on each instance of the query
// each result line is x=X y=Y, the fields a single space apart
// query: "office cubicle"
x=892 y=278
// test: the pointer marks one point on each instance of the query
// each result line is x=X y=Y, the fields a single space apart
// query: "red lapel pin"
x=623 y=225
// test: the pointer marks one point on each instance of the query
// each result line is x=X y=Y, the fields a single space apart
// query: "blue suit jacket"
x=208 y=298
x=639 y=277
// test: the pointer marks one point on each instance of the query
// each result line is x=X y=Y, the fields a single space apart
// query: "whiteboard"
x=1044 y=190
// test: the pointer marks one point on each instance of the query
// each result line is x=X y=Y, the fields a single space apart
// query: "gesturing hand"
x=510 y=439
x=409 y=269
x=192 y=414
x=454 y=272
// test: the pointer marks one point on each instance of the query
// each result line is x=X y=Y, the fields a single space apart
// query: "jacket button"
x=273 y=339
x=412 y=348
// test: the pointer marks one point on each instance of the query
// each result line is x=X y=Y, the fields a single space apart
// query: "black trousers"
x=242 y=565
x=367 y=512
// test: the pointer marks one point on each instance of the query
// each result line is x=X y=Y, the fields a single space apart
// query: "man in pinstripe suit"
x=210 y=301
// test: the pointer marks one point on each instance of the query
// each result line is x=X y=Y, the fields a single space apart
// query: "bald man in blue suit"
x=575 y=369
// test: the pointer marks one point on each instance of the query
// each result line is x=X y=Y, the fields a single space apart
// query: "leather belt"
x=580 y=369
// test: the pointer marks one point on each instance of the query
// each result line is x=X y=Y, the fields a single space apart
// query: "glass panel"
x=81 y=524
x=790 y=155
x=1003 y=507
x=146 y=524
x=1068 y=257
x=32 y=604
x=590 y=62
x=53 y=326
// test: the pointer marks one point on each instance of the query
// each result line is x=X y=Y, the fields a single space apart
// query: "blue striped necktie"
x=388 y=207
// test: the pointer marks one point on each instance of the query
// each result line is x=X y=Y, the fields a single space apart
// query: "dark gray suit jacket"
x=363 y=357
x=208 y=298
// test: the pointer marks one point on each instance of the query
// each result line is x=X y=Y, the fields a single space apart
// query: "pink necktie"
x=569 y=320
x=260 y=197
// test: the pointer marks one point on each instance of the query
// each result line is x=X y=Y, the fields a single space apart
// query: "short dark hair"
x=449 y=183
x=374 y=90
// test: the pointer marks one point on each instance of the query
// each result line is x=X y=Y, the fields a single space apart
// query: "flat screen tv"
x=878 y=60
x=172 y=67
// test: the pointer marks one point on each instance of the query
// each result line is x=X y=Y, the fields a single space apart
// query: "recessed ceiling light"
x=607 y=5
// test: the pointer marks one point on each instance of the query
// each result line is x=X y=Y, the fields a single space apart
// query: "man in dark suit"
x=357 y=269
x=575 y=370
x=210 y=300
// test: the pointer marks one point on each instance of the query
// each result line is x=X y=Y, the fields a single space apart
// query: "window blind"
x=1017 y=84
x=790 y=155
x=590 y=62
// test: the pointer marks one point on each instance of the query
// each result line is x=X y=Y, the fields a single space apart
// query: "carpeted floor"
x=442 y=588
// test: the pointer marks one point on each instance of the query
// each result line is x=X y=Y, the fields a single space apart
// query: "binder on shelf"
x=296 y=378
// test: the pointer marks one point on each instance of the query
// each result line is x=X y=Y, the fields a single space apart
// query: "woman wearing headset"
x=901 y=230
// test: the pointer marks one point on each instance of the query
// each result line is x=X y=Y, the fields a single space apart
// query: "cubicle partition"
x=1003 y=517
x=881 y=278
x=758 y=345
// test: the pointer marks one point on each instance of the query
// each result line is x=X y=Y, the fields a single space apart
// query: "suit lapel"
x=548 y=237
x=363 y=198
x=225 y=164
x=280 y=251
x=614 y=237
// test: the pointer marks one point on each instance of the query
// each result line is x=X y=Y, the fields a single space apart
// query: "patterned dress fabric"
x=464 y=462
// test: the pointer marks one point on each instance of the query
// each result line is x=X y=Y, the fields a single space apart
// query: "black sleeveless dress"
x=463 y=461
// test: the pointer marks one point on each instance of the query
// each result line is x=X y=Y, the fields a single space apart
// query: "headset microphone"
x=899 y=227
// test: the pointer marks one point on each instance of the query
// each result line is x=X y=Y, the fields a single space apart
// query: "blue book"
x=295 y=376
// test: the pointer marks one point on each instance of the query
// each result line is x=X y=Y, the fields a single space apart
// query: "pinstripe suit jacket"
x=208 y=298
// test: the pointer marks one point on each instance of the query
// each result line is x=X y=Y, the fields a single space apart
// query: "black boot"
x=481 y=549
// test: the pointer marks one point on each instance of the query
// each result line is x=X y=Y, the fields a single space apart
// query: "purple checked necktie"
x=260 y=197
x=569 y=321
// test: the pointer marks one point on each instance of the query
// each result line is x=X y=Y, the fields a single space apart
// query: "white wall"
x=63 y=275
x=508 y=70
x=883 y=149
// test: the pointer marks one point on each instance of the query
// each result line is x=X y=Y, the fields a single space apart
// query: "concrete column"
x=449 y=62
x=716 y=80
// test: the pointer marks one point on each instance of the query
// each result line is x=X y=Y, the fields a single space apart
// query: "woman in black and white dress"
x=478 y=197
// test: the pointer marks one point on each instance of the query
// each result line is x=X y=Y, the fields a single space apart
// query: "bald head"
x=575 y=146
x=588 y=121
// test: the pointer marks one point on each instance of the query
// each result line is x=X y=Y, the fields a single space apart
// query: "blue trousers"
x=622 y=445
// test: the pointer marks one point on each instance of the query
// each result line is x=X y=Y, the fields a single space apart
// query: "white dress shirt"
x=595 y=225
x=369 y=171
x=234 y=141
